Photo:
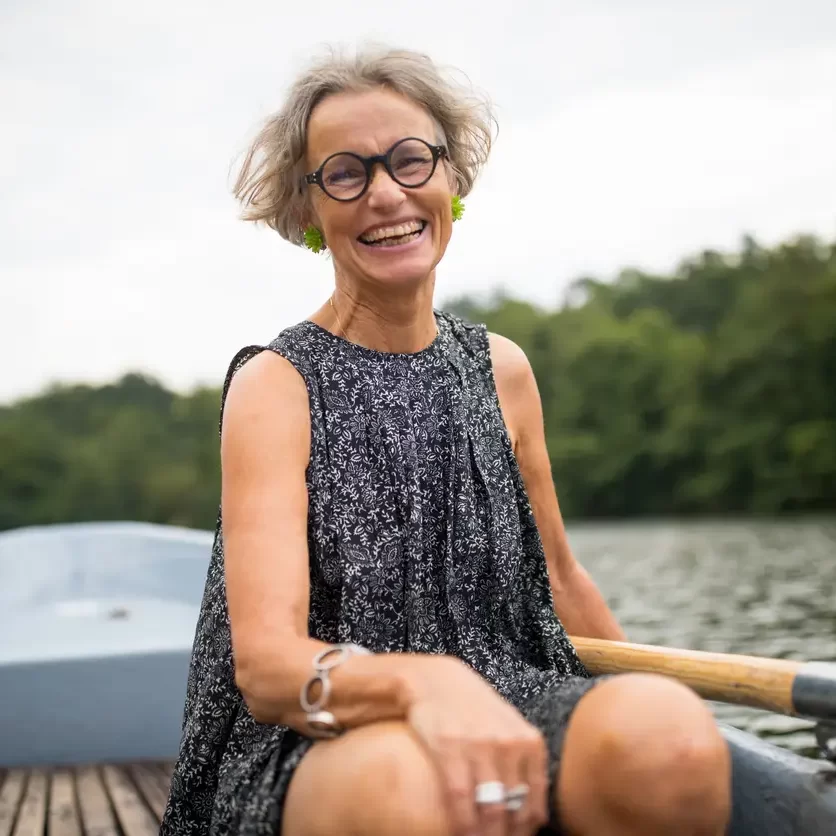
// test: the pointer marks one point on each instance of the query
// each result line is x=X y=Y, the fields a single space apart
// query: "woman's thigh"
x=551 y=712
x=373 y=780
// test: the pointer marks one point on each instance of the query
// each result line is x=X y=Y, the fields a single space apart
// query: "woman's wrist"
x=418 y=674
x=315 y=695
x=386 y=686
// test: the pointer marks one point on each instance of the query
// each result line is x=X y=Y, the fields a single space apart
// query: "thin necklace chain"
x=334 y=309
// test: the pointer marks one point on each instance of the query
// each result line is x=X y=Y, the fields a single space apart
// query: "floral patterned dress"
x=421 y=538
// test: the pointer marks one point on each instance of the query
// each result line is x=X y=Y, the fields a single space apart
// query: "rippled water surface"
x=761 y=588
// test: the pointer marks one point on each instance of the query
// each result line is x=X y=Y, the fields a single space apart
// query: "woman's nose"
x=383 y=189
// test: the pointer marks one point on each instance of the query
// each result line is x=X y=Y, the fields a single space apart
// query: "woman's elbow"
x=256 y=681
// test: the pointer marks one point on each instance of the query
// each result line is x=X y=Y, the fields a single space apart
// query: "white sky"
x=632 y=133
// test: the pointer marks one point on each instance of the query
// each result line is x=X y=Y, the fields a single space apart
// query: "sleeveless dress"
x=421 y=538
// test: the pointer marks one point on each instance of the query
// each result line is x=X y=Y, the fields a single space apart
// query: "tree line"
x=708 y=391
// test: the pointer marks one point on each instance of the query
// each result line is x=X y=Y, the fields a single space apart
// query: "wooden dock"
x=103 y=800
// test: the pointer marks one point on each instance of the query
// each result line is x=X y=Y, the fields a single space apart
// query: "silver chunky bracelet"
x=321 y=722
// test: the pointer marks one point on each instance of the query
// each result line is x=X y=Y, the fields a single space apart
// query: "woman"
x=379 y=649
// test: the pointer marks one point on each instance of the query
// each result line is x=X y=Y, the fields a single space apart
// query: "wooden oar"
x=804 y=689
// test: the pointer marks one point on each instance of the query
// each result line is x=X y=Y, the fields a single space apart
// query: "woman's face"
x=371 y=123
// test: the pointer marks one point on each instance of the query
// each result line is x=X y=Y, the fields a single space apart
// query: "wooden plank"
x=145 y=779
x=10 y=794
x=32 y=817
x=96 y=816
x=163 y=777
x=134 y=816
x=63 y=813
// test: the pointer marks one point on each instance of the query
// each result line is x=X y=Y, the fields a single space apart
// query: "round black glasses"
x=409 y=162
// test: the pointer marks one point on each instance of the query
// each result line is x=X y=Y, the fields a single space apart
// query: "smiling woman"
x=385 y=141
x=381 y=641
x=399 y=232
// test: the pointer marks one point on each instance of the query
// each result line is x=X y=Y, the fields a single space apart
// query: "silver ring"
x=490 y=792
x=515 y=798
x=323 y=723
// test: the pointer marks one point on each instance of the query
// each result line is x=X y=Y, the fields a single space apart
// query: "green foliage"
x=709 y=391
x=130 y=450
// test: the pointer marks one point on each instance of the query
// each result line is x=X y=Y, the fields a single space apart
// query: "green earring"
x=313 y=239
x=457 y=205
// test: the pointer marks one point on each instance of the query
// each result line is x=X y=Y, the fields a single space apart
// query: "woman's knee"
x=379 y=781
x=393 y=760
x=650 y=747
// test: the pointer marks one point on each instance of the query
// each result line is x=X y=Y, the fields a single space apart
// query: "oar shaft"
x=744 y=680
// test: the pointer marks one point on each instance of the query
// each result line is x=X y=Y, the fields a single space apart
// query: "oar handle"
x=806 y=689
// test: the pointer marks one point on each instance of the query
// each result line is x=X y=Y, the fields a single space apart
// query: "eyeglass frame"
x=439 y=152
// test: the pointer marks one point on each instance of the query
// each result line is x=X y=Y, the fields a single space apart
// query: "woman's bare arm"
x=265 y=447
x=577 y=600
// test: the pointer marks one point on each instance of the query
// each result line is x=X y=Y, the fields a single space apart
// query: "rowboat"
x=98 y=621
x=779 y=793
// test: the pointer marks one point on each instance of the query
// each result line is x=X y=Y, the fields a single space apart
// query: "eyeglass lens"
x=411 y=161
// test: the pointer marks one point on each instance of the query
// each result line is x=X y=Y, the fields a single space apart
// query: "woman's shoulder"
x=306 y=346
x=509 y=360
x=299 y=337
x=473 y=336
x=280 y=365
x=291 y=343
x=506 y=358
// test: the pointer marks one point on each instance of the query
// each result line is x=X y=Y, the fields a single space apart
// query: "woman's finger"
x=517 y=802
x=533 y=788
x=491 y=777
x=457 y=778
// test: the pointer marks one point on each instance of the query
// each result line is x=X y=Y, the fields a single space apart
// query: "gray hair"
x=270 y=183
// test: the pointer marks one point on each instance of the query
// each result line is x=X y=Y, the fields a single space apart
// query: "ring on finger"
x=491 y=792
x=515 y=797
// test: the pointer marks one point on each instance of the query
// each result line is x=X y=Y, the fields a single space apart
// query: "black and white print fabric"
x=421 y=539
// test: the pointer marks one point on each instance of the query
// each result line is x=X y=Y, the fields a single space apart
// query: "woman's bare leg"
x=373 y=781
x=643 y=757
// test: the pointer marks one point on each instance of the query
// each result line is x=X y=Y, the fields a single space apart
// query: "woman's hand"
x=474 y=737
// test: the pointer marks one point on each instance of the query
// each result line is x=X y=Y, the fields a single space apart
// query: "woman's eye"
x=410 y=162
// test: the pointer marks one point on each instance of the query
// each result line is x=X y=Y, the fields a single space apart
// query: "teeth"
x=393 y=242
x=392 y=231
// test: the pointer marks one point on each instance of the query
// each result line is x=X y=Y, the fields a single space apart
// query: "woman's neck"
x=399 y=321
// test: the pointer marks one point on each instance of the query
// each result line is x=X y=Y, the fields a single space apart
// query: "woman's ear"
x=309 y=220
x=306 y=215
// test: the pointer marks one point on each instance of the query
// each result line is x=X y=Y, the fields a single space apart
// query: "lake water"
x=762 y=588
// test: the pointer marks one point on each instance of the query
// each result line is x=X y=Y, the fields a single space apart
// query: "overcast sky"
x=632 y=133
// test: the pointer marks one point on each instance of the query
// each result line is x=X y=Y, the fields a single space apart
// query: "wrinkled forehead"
x=366 y=123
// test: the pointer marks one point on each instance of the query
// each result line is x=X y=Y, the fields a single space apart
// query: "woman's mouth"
x=393 y=236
